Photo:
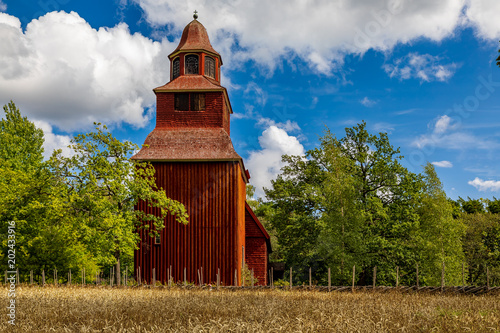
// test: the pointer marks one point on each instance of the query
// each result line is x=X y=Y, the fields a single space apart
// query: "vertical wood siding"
x=213 y=193
x=256 y=249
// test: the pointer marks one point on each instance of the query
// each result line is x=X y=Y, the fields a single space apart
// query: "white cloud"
x=253 y=90
x=319 y=32
x=368 y=102
x=442 y=124
x=445 y=133
x=62 y=71
x=288 y=125
x=265 y=164
x=383 y=127
x=3 y=6
x=485 y=185
x=53 y=141
x=424 y=67
x=483 y=15
x=443 y=164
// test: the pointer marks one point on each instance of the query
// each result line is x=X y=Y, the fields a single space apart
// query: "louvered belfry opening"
x=196 y=164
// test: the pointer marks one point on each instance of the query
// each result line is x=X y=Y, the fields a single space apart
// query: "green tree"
x=439 y=233
x=493 y=206
x=482 y=247
x=471 y=206
x=104 y=187
x=30 y=196
x=498 y=59
x=351 y=202
x=341 y=242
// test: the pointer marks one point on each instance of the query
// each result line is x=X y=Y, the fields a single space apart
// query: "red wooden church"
x=196 y=164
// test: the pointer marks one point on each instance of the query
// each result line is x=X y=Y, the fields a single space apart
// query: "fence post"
x=487 y=278
x=154 y=277
x=442 y=278
x=185 y=281
x=397 y=276
x=43 y=277
x=69 y=276
x=290 y=278
x=329 y=280
x=218 y=278
x=199 y=277
x=417 y=277
x=201 y=274
x=272 y=277
x=5 y=277
x=17 y=275
x=170 y=277
x=235 y=277
x=242 y=265
x=374 y=277
x=126 y=275
x=353 y=276
x=251 y=277
x=310 y=278
x=463 y=276
x=31 y=277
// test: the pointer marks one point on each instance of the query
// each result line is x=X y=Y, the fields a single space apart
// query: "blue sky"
x=422 y=71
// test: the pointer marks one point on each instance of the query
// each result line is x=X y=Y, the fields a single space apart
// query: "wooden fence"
x=134 y=280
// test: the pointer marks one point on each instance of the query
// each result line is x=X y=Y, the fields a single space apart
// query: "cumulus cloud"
x=443 y=164
x=483 y=15
x=3 y=6
x=485 y=185
x=423 y=67
x=62 y=71
x=265 y=164
x=319 y=32
x=53 y=141
x=368 y=102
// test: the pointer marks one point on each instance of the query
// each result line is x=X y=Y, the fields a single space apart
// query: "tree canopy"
x=351 y=202
x=77 y=211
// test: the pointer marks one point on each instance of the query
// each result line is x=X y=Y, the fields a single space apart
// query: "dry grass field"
x=76 y=309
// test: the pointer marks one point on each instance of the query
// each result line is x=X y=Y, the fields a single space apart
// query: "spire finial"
x=195 y=15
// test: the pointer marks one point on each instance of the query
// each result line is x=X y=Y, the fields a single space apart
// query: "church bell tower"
x=196 y=164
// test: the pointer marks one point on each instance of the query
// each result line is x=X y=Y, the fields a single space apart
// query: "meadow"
x=105 y=309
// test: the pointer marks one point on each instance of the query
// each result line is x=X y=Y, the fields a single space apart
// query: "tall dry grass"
x=76 y=309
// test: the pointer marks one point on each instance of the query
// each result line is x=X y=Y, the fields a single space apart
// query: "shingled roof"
x=195 y=37
x=189 y=82
x=188 y=144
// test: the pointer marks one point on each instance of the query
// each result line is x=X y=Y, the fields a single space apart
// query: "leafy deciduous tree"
x=104 y=187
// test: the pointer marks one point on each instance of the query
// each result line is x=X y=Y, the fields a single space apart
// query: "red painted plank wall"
x=256 y=258
x=211 y=192
x=214 y=114
x=256 y=249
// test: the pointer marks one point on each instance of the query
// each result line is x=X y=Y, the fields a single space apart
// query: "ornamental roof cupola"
x=192 y=109
x=195 y=55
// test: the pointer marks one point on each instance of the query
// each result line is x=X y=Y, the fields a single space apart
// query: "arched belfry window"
x=176 y=68
x=191 y=64
x=210 y=67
